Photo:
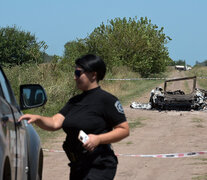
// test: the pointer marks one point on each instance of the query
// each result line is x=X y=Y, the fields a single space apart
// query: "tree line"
x=204 y=63
x=132 y=42
x=18 y=47
x=135 y=43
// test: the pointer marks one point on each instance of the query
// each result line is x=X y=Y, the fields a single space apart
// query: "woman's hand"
x=92 y=142
x=118 y=133
x=47 y=123
x=29 y=117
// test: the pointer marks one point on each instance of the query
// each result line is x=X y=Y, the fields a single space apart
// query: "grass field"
x=60 y=86
x=199 y=72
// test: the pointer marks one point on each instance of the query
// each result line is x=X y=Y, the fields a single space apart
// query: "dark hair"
x=92 y=63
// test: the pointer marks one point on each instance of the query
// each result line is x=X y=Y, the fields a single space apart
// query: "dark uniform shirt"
x=95 y=112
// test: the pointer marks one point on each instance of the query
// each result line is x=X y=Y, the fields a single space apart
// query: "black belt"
x=80 y=156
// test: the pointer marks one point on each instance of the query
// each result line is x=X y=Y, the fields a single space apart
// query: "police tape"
x=173 y=155
x=51 y=150
x=137 y=79
x=134 y=79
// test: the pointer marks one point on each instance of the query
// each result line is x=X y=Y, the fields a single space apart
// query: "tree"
x=17 y=47
x=180 y=62
x=204 y=63
x=135 y=43
x=74 y=49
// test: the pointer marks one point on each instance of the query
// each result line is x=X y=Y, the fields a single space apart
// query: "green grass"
x=197 y=120
x=59 y=84
x=199 y=72
x=202 y=159
x=134 y=123
x=128 y=90
x=129 y=142
x=201 y=177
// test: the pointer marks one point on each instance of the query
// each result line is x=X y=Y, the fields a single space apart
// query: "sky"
x=59 y=21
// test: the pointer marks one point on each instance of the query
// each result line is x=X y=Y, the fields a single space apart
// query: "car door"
x=7 y=128
x=15 y=131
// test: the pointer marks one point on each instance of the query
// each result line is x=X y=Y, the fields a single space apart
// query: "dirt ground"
x=165 y=132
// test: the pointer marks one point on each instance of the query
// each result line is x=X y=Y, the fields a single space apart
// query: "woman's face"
x=85 y=80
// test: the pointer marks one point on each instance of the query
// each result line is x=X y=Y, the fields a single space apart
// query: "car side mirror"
x=32 y=96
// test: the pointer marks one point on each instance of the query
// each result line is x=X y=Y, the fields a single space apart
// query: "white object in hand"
x=83 y=137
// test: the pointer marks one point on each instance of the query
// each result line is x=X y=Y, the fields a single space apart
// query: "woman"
x=95 y=111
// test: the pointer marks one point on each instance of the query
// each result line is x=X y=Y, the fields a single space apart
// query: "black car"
x=21 y=156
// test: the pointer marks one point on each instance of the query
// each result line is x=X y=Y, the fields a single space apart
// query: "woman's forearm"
x=47 y=123
x=118 y=133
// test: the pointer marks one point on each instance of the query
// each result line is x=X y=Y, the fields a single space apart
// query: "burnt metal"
x=176 y=100
x=181 y=79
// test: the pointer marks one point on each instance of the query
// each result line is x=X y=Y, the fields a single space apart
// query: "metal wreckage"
x=163 y=99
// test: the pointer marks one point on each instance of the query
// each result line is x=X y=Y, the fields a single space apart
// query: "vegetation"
x=204 y=63
x=58 y=83
x=178 y=62
x=131 y=48
x=18 y=47
x=199 y=71
x=60 y=86
x=137 y=44
x=202 y=177
x=136 y=122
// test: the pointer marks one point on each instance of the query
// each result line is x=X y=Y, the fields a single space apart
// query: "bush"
x=18 y=47
x=137 y=44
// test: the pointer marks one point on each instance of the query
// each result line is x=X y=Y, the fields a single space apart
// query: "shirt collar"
x=92 y=90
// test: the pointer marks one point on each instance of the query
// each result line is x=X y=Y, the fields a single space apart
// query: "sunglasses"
x=78 y=73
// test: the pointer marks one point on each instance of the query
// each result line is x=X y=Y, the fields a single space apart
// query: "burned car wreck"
x=177 y=99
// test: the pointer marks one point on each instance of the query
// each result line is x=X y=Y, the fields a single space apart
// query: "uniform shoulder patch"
x=119 y=107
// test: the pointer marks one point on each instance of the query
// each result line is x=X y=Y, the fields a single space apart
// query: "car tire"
x=39 y=168
x=7 y=170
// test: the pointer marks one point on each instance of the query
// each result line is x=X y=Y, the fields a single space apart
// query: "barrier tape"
x=51 y=150
x=137 y=79
x=173 y=155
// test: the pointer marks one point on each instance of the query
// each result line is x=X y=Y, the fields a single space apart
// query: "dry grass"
x=60 y=86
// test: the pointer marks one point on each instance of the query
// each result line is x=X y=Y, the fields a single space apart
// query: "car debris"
x=163 y=99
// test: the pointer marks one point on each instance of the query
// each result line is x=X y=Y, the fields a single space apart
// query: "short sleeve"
x=114 y=113
x=65 y=109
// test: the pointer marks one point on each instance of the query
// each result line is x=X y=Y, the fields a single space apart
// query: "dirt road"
x=163 y=132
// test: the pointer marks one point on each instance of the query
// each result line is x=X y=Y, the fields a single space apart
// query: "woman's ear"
x=94 y=76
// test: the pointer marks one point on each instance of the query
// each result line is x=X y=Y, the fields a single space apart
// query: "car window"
x=4 y=87
x=1 y=93
x=6 y=90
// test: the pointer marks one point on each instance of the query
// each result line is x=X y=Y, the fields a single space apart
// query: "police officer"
x=95 y=111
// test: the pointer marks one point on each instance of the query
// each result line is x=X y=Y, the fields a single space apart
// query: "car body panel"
x=20 y=148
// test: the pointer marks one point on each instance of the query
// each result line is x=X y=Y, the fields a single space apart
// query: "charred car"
x=176 y=99
x=21 y=156
x=165 y=99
